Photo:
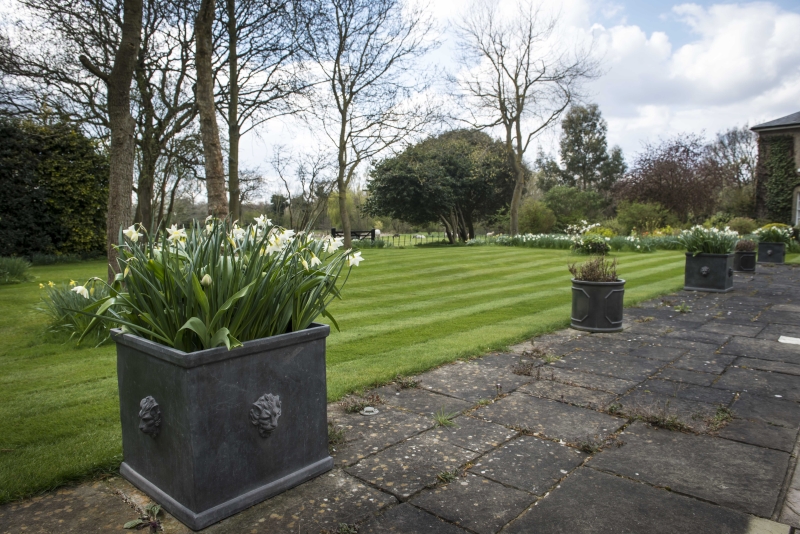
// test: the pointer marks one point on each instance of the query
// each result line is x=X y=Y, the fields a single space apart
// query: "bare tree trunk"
x=516 y=198
x=233 y=115
x=212 y=149
x=341 y=182
x=122 y=126
x=144 y=188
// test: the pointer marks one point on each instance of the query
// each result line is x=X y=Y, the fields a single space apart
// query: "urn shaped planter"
x=744 y=262
x=709 y=272
x=597 y=306
x=209 y=433
x=771 y=252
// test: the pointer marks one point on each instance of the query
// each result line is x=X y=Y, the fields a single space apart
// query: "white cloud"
x=742 y=65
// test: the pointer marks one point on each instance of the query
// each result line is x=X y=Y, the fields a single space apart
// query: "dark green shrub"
x=743 y=225
x=745 y=245
x=536 y=218
x=14 y=270
x=571 y=205
x=641 y=216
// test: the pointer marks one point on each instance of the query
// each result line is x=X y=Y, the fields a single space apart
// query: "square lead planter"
x=209 y=433
x=771 y=252
x=709 y=272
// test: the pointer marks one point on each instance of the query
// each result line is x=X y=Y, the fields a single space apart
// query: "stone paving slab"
x=688 y=377
x=421 y=401
x=580 y=379
x=408 y=467
x=87 y=508
x=530 y=464
x=709 y=338
x=476 y=503
x=368 y=435
x=763 y=349
x=704 y=362
x=593 y=502
x=772 y=332
x=694 y=346
x=687 y=391
x=472 y=434
x=408 y=519
x=548 y=418
x=728 y=473
x=768 y=365
x=610 y=364
x=665 y=408
x=323 y=503
x=768 y=410
x=760 y=382
x=761 y=434
x=665 y=354
x=732 y=329
x=470 y=382
x=589 y=398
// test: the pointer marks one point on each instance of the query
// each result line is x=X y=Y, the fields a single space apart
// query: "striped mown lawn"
x=404 y=310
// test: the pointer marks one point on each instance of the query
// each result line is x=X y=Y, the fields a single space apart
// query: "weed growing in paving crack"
x=446 y=477
x=356 y=403
x=148 y=520
x=406 y=382
x=484 y=402
x=336 y=436
x=683 y=307
x=528 y=367
x=615 y=409
x=644 y=319
x=723 y=416
x=344 y=528
x=445 y=419
x=594 y=444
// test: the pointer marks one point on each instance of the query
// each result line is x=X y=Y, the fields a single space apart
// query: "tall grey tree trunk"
x=122 y=126
x=233 y=115
x=144 y=189
x=342 y=182
x=212 y=149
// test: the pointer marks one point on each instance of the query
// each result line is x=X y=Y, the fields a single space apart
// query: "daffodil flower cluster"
x=702 y=240
x=774 y=233
x=218 y=283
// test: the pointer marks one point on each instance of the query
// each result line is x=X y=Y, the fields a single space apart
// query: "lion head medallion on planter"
x=149 y=416
x=265 y=413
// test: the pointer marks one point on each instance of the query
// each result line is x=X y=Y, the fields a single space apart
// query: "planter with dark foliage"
x=210 y=433
x=744 y=256
x=709 y=272
x=597 y=297
x=771 y=252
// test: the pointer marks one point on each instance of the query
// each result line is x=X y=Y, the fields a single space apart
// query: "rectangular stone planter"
x=709 y=272
x=597 y=306
x=744 y=262
x=771 y=252
x=210 y=433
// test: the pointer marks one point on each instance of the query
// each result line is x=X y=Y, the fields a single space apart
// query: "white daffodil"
x=315 y=260
x=273 y=245
x=176 y=235
x=237 y=233
x=354 y=260
x=262 y=220
x=206 y=281
x=131 y=233
x=335 y=243
x=305 y=263
x=82 y=291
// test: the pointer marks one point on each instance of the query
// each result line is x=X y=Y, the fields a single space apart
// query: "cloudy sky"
x=669 y=67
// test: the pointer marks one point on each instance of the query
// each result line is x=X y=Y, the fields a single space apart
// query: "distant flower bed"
x=563 y=241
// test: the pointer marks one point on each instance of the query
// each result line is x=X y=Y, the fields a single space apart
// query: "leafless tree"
x=364 y=53
x=258 y=72
x=164 y=101
x=177 y=174
x=517 y=76
x=204 y=94
x=736 y=150
x=307 y=182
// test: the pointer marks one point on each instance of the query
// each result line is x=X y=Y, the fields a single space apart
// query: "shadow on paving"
x=683 y=422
